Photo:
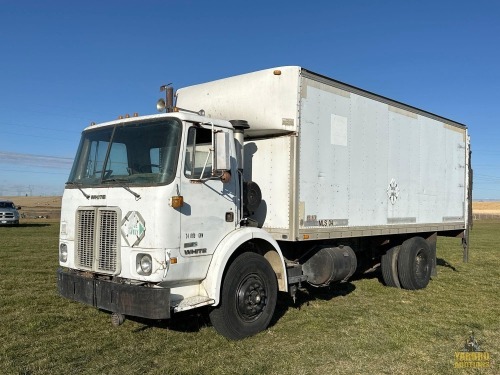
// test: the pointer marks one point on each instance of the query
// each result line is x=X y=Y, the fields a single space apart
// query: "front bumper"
x=9 y=221
x=132 y=300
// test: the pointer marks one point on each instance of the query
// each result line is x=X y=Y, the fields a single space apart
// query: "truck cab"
x=148 y=203
x=9 y=214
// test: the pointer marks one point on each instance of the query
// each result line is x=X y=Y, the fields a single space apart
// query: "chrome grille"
x=97 y=239
x=108 y=232
x=85 y=238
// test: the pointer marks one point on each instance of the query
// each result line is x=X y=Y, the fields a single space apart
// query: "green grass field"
x=359 y=327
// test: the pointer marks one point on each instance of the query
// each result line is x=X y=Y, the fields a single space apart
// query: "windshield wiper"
x=78 y=186
x=122 y=184
x=108 y=151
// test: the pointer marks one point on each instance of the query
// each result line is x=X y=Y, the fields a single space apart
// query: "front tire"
x=248 y=298
x=414 y=263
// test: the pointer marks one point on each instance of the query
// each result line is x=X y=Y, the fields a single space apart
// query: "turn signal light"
x=177 y=201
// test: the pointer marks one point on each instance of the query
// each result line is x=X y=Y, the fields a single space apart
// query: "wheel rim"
x=251 y=298
x=421 y=265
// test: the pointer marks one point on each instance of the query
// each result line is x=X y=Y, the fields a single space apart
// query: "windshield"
x=7 y=205
x=143 y=153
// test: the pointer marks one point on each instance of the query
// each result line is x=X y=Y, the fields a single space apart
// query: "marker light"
x=177 y=201
x=63 y=253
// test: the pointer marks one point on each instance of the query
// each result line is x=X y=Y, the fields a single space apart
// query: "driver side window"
x=198 y=158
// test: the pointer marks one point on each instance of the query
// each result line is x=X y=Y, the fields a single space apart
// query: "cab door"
x=209 y=211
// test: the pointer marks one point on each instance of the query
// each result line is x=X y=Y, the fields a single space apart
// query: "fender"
x=213 y=282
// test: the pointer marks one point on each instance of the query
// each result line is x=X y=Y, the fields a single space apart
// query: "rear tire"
x=248 y=298
x=389 y=266
x=414 y=263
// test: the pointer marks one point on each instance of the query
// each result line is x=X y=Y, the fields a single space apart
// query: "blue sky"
x=65 y=64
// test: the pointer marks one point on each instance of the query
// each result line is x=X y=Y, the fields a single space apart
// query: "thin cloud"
x=28 y=160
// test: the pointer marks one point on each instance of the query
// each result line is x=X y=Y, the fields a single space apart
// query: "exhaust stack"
x=239 y=132
x=167 y=104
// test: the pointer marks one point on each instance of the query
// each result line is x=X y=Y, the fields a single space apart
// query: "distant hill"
x=484 y=209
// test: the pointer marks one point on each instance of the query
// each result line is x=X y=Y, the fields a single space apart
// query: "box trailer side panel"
x=366 y=163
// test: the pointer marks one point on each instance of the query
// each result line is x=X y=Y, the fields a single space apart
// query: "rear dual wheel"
x=415 y=263
x=408 y=266
x=389 y=266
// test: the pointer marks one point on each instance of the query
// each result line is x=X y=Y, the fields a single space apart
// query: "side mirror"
x=221 y=146
x=18 y=207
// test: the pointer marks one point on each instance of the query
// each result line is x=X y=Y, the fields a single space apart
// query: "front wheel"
x=248 y=298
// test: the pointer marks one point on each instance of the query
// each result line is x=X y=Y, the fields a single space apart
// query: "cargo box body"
x=336 y=161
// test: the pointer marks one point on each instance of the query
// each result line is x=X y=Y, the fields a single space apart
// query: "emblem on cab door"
x=133 y=228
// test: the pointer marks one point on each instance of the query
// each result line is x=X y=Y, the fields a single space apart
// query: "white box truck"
x=256 y=184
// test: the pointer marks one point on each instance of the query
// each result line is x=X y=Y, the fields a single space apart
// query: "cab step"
x=192 y=302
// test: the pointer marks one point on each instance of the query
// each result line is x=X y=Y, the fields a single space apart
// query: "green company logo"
x=471 y=355
x=133 y=228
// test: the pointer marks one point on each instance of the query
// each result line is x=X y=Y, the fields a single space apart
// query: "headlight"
x=144 y=264
x=63 y=253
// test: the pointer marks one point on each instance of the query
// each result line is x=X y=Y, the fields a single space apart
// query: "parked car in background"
x=8 y=213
